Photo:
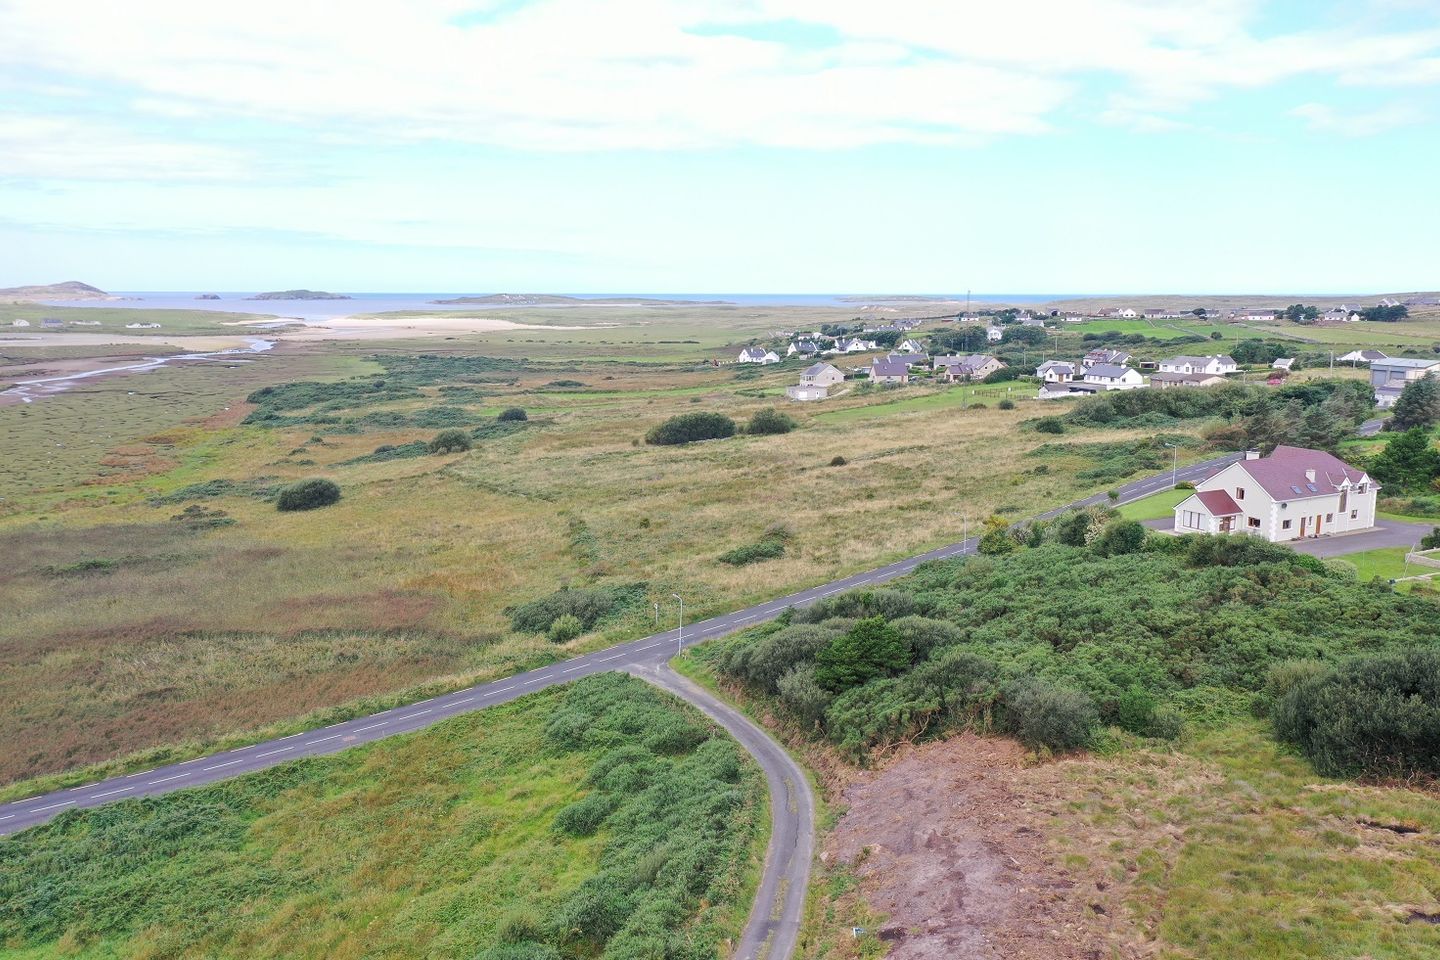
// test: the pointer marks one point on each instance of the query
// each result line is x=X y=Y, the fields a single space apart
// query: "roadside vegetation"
x=598 y=820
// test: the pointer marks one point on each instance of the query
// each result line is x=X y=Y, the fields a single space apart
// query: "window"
x=1239 y=493
x=1329 y=518
x=1284 y=524
x=1360 y=488
x=1191 y=519
x=1354 y=514
x=1252 y=521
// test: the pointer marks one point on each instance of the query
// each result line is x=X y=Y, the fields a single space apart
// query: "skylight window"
x=1295 y=488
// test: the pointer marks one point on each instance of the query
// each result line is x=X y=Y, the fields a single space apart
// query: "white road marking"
x=656 y=644
x=371 y=727
x=111 y=793
x=227 y=763
x=417 y=713
x=272 y=753
x=8 y=816
x=308 y=743
x=608 y=659
x=526 y=683
x=426 y=700
x=573 y=669
x=192 y=760
x=464 y=699
x=52 y=806
x=178 y=776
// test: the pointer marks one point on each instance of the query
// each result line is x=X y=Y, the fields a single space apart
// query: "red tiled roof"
x=1218 y=502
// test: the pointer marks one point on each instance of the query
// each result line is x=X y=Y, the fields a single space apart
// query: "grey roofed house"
x=888 y=367
x=1107 y=370
x=1106 y=355
x=1362 y=356
x=822 y=373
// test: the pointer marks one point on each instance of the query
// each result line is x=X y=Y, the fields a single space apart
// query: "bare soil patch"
x=949 y=842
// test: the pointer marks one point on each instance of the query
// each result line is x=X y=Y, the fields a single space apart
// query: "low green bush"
x=512 y=415
x=1006 y=405
x=1050 y=425
x=589 y=605
x=769 y=421
x=450 y=441
x=690 y=428
x=566 y=627
x=1374 y=716
x=768 y=548
x=1041 y=714
x=308 y=494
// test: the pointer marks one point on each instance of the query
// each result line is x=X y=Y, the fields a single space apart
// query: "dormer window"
x=1360 y=488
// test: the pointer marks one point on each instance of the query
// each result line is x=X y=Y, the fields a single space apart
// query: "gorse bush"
x=1374 y=715
x=565 y=628
x=450 y=441
x=1113 y=628
x=769 y=421
x=1050 y=425
x=691 y=427
x=588 y=605
x=512 y=415
x=308 y=495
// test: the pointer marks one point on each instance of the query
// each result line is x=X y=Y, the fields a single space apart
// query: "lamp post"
x=657 y=614
x=1174 y=464
x=680 y=633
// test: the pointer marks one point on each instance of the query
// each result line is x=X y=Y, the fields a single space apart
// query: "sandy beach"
x=400 y=328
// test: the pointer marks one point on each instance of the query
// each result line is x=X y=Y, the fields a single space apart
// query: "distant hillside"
x=551 y=299
x=1222 y=302
x=69 y=290
x=298 y=295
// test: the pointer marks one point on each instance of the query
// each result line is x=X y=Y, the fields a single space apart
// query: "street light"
x=1174 y=464
x=680 y=633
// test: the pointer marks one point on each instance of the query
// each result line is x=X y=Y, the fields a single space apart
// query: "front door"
x=1317 y=523
x=1303 y=522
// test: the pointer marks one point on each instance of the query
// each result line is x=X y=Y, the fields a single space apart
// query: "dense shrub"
x=512 y=415
x=803 y=696
x=770 y=421
x=871 y=649
x=691 y=427
x=1120 y=536
x=450 y=441
x=1431 y=540
x=308 y=495
x=1376 y=715
x=565 y=628
x=838 y=461
x=1050 y=425
x=1006 y=404
x=588 y=605
x=767 y=548
x=1043 y=715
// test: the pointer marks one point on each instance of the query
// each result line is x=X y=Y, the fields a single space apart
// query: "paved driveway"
x=1387 y=533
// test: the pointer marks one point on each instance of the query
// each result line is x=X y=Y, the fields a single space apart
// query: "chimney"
x=1310 y=475
x=1252 y=454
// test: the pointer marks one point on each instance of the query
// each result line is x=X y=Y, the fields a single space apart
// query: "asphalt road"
x=775 y=918
x=646 y=652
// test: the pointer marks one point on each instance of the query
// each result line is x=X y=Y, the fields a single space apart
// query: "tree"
x=450 y=441
x=769 y=421
x=1386 y=313
x=1409 y=460
x=1200 y=312
x=1034 y=336
x=690 y=427
x=1121 y=536
x=1301 y=313
x=870 y=649
x=1418 y=404
x=997 y=539
x=308 y=495
x=512 y=414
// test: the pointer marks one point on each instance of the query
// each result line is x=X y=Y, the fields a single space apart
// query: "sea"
x=403 y=302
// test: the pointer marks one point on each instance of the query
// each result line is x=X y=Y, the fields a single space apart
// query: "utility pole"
x=680 y=633
x=657 y=614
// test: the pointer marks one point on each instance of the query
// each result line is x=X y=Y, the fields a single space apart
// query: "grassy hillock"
x=598 y=820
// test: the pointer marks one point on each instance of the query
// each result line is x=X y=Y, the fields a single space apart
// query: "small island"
x=208 y=296
x=551 y=299
x=298 y=295
x=69 y=290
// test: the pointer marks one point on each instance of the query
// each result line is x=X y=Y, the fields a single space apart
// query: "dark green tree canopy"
x=1418 y=404
x=871 y=649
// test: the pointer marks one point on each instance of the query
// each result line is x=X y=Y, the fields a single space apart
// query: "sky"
x=763 y=146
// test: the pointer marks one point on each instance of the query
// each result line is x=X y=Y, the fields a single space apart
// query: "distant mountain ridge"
x=69 y=290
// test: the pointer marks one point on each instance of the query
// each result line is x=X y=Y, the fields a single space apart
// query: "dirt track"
x=948 y=840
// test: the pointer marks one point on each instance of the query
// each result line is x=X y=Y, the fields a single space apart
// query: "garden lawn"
x=1155 y=506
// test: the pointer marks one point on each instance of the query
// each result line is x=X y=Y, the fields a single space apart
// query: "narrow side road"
x=779 y=909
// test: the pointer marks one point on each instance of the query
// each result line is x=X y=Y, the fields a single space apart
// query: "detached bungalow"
x=806 y=348
x=1108 y=376
x=994 y=334
x=1057 y=371
x=1106 y=355
x=1165 y=380
x=1261 y=316
x=887 y=370
x=1293 y=493
x=757 y=355
x=1362 y=356
x=976 y=366
x=911 y=346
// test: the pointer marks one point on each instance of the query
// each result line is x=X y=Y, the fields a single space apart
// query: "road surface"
x=775 y=919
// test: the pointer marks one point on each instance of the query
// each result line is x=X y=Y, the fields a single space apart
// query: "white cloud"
x=677 y=74
x=1323 y=118
x=70 y=148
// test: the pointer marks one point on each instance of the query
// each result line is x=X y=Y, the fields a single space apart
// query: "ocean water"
x=390 y=302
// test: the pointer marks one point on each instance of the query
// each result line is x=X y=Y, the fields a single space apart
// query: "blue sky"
x=766 y=146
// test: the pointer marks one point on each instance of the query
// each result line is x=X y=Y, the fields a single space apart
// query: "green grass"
x=427 y=845
x=935 y=398
x=1387 y=563
x=1155 y=506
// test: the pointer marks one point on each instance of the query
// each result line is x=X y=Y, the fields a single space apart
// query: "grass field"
x=114 y=319
x=487 y=830
x=1155 y=506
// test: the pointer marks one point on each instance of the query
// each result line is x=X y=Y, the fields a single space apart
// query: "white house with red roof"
x=1295 y=492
